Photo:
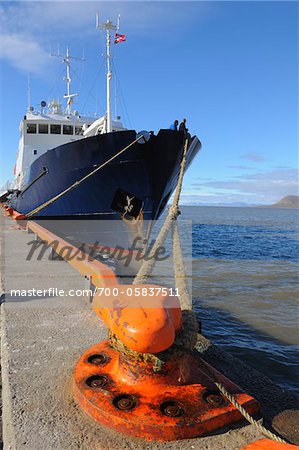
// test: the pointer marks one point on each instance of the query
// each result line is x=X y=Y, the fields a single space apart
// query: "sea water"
x=245 y=284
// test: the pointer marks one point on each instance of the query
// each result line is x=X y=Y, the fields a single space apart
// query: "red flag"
x=119 y=38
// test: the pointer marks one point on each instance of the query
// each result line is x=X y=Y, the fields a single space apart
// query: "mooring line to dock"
x=78 y=182
x=247 y=416
x=173 y=212
x=185 y=298
x=179 y=270
x=187 y=336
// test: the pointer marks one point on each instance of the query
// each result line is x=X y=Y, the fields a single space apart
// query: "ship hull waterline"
x=142 y=178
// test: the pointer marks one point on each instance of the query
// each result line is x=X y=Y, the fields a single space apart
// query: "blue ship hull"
x=147 y=173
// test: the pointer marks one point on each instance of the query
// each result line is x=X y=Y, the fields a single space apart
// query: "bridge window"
x=78 y=131
x=31 y=128
x=55 y=129
x=67 y=129
x=43 y=128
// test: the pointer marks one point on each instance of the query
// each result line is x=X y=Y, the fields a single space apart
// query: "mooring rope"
x=77 y=183
x=179 y=270
x=173 y=212
x=185 y=301
x=247 y=416
x=190 y=323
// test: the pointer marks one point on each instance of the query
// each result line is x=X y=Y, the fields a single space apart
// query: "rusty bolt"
x=214 y=398
x=172 y=408
x=97 y=381
x=98 y=360
x=125 y=402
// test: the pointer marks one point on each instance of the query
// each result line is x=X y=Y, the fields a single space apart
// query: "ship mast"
x=68 y=95
x=108 y=26
x=67 y=60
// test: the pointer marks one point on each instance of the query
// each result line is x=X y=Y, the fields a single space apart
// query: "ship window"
x=35 y=152
x=67 y=129
x=78 y=131
x=55 y=129
x=43 y=128
x=31 y=128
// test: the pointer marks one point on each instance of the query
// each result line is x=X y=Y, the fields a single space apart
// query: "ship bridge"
x=43 y=131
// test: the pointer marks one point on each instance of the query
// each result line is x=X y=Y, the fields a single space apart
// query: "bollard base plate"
x=180 y=404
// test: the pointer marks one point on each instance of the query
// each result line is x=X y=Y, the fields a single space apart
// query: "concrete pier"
x=41 y=340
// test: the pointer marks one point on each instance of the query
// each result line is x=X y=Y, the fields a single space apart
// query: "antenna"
x=97 y=21
x=28 y=91
x=115 y=100
x=66 y=59
x=108 y=26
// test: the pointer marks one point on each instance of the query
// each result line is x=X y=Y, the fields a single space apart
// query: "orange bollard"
x=9 y=211
x=144 y=324
x=18 y=216
x=15 y=214
x=268 y=444
x=125 y=391
x=180 y=403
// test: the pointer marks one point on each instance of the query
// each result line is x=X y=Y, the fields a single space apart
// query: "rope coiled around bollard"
x=186 y=337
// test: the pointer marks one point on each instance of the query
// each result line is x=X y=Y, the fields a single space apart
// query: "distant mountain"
x=229 y=205
x=290 y=201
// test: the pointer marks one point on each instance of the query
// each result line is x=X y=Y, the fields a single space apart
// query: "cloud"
x=23 y=53
x=253 y=156
x=38 y=24
x=216 y=199
x=241 y=167
x=28 y=29
x=282 y=167
x=274 y=175
x=262 y=187
x=46 y=17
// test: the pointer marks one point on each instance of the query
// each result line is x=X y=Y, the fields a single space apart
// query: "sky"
x=230 y=68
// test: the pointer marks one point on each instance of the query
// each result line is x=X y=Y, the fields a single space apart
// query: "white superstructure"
x=42 y=131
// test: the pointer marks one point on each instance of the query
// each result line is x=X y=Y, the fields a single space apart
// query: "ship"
x=71 y=166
